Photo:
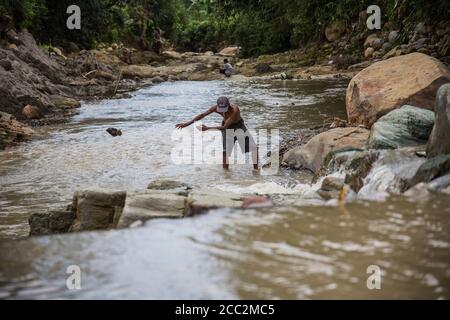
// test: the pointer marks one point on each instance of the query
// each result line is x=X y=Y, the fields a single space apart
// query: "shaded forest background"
x=258 y=26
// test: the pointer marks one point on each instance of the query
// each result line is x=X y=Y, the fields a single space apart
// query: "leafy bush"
x=25 y=13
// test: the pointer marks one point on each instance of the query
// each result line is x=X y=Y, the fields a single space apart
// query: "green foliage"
x=101 y=20
x=24 y=12
x=267 y=26
x=258 y=26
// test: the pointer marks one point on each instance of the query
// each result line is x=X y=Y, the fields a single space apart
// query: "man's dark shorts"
x=237 y=132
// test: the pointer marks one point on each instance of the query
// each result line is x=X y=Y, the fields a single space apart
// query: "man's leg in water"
x=227 y=147
x=225 y=161
x=255 y=159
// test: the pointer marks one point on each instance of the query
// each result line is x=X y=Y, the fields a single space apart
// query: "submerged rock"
x=407 y=126
x=439 y=142
x=331 y=187
x=354 y=164
x=142 y=206
x=311 y=155
x=391 y=172
x=431 y=169
x=166 y=184
x=386 y=85
x=358 y=167
x=422 y=190
x=200 y=201
x=371 y=172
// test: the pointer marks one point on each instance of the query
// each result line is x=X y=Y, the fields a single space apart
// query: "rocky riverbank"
x=40 y=86
x=395 y=140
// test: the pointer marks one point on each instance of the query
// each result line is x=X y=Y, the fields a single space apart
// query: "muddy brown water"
x=287 y=252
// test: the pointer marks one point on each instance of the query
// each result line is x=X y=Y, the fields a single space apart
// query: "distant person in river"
x=227 y=68
x=233 y=129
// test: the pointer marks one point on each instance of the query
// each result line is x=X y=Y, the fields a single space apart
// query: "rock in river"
x=97 y=208
x=439 y=142
x=200 y=201
x=331 y=187
x=51 y=222
x=407 y=126
x=431 y=169
x=311 y=155
x=142 y=206
x=114 y=132
x=12 y=130
x=387 y=85
x=166 y=184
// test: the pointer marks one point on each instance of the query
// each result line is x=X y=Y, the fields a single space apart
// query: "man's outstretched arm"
x=223 y=127
x=197 y=118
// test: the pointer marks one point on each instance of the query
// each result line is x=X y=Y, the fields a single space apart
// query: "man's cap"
x=223 y=104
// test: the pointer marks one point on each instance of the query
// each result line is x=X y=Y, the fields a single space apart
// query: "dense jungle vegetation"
x=258 y=26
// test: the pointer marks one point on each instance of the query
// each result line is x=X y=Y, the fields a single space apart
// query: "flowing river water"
x=312 y=251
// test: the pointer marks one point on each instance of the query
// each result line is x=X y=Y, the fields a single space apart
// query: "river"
x=312 y=251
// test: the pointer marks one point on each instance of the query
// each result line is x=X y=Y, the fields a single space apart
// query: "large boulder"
x=439 y=142
x=311 y=155
x=356 y=164
x=97 y=208
x=229 y=51
x=431 y=169
x=151 y=204
x=441 y=184
x=387 y=85
x=407 y=126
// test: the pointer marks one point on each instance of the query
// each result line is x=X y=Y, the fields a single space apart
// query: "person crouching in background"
x=227 y=68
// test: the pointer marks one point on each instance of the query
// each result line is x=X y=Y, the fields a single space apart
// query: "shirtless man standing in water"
x=233 y=129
